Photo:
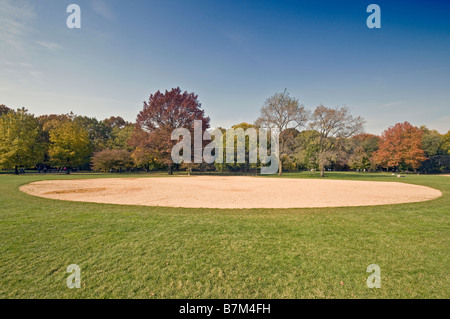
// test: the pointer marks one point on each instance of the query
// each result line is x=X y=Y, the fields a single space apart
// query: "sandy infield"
x=231 y=192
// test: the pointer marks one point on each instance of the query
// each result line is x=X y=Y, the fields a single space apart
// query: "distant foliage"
x=108 y=160
x=326 y=139
x=446 y=143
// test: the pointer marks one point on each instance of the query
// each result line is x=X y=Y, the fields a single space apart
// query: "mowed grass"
x=151 y=252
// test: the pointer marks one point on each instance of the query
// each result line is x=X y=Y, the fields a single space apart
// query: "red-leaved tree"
x=400 y=144
x=162 y=114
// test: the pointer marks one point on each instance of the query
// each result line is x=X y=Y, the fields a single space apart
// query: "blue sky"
x=233 y=54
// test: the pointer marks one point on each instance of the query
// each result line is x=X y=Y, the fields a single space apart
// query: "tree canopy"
x=19 y=140
x=333 y=124
x=161 y=115
x=326 y=139
x=401 y=145
x=282 y=112
x=69 y=144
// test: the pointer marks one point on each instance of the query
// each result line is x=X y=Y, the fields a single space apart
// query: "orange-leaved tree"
x=400 y=145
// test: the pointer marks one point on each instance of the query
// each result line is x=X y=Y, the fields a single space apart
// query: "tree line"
x=321 y=139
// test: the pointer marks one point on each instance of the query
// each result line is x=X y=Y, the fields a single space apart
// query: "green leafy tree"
x=432 y=142
x=19 y=140
x=120 y=136
x=99 y=132
x=240 y=166
x=307 y=149
x=446 y=143
x=361 y=149
x=359 y=159
x=70 y=145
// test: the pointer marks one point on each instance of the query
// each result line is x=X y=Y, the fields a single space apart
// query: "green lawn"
x=146 y=252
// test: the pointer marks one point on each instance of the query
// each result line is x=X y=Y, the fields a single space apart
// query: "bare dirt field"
x=231 y=192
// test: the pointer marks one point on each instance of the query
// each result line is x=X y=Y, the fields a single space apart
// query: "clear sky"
x=233 y=54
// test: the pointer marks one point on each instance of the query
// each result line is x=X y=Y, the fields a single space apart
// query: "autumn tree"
x=70 y=145
x=4 y=109
x=115 y=122
x=107 y=160
x=281 y=112
x=161 y=115
x=48 y=122
x=401 y=145
x=333 y=124
x=19 y=140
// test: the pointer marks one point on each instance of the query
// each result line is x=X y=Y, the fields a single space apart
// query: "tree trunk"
x=170 y=169
x=16 y=170
x=280 y=167
x=322 y=172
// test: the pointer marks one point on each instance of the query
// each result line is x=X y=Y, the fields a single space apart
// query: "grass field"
x=149 y=252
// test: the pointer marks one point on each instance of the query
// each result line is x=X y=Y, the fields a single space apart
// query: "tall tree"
x=161 y=115
x=70 y=145
x=282 y=112
x=19 y=140
x=401 y=145
x=332 y=124
x=48 y=122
